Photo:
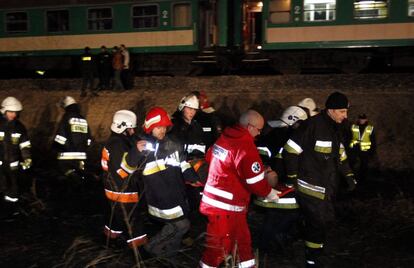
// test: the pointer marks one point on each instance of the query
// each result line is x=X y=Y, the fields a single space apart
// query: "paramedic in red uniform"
x=235 y=172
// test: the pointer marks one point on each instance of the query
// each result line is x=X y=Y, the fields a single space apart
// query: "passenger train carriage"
x=176 y=35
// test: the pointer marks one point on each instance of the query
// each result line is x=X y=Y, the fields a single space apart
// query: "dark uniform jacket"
x=14 y=143
x=104 y=60
x=164 y=173
x=120 y=158
x=73 y=135
x=87 y=63
x=315 y=156
x=191 y=135
x=270 y=147
x=211 y=126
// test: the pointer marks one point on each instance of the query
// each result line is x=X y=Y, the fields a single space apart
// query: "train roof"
x=12 y=4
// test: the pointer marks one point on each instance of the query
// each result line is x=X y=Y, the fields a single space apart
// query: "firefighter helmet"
x=292 y=114
x=190 y=100
x=11 y=104
x=122 y=120
x=203 y=99
x=156 y=117
x=66 y=101
x=309 y=104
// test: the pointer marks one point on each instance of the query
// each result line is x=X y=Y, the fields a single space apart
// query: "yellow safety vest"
x=364 y=140
x=86 y=58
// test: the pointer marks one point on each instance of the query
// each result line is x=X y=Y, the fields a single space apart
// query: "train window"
x=182 y=15
x=411 y=8
x=99 y=19
x=279 y=11
x=319 y=10
x=145 y=16
x=16 y=22
x=57 y=20
x=364 y=9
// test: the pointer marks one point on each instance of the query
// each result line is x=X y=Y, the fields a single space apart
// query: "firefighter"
x=315 y=158
x=208 y=119
x=187 y=129
x=280 y=218
x=120 y=158
x=235 y=172
x=362 y=145
x=190 y=133
x=72 y=139
x=165 y=171
x=14 y=154
x=88 y=72
x=309 y=105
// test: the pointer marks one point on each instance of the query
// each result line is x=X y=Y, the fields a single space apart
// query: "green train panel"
x=302 y=24
x=143 y=26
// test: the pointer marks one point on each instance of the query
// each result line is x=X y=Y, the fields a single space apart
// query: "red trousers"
x=226 y=233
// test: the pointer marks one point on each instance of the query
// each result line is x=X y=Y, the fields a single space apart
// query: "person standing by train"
x=126 y=74
x=88 y=72
x=104 y=60
x=118 y=66
x=120 y=158
x=235 y=172
x=14 y=153
x=315 y=160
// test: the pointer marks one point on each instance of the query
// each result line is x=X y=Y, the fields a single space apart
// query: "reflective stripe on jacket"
x=14 y=142
x=235 y=172
x=363 y=140
x=164 y=172
x=315 y=156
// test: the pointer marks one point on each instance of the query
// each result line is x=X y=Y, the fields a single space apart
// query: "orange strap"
x=198 y=164
x=122 y=197
x=122 y=173
x=104 y=159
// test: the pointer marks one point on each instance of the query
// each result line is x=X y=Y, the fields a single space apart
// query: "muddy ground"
x=62 y=227
x=374 y=228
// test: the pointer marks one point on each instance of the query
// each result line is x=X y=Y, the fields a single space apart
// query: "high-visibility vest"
x=364 y=140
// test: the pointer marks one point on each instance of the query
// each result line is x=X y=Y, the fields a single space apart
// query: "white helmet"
x=292 y=114
x=309 y=104
x=189 y=101
x=122 y=120
x=11 y=104
x=66 y=101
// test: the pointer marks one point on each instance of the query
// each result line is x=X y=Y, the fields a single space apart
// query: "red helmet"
x=204 y=104
x=156 y=117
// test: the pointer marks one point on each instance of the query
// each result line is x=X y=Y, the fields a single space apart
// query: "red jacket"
x=235 y=172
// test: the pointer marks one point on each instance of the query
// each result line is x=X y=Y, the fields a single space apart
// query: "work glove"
x=351 y=181
x=26 y=164
x=273 y=196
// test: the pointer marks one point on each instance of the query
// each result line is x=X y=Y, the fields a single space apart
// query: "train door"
x=252 y=24
x=208 y=25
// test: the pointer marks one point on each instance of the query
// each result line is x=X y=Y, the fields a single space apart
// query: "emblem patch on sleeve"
x=256 y=167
